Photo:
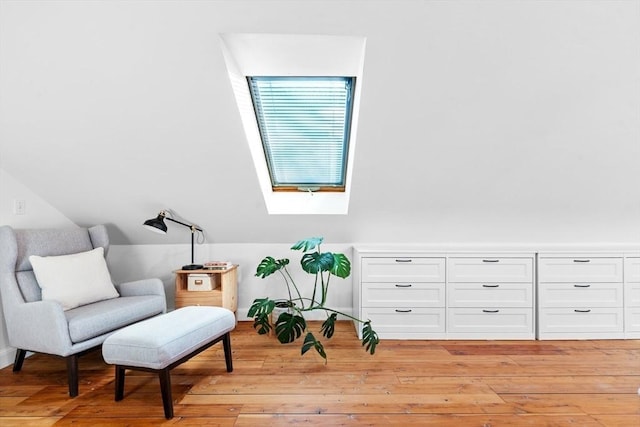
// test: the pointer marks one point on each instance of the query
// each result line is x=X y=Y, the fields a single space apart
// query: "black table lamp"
x=157 y=225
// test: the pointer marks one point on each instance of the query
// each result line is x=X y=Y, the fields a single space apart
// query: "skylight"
x=303 y=160
x=304 y=126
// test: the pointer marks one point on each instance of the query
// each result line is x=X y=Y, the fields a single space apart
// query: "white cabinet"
x=632 y=296
x=404 y=297
x=417 y=293
x=490 y=297
x=580 y=296
x=428 y=295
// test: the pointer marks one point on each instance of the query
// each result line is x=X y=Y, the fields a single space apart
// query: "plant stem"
x=294 y=286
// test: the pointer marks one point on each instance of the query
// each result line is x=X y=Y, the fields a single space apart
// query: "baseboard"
x=241 y=313
x=7 y=356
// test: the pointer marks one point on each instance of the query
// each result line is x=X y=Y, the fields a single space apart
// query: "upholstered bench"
x=163 y=342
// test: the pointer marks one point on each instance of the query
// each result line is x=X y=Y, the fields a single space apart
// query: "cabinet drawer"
x=568 y=320
x=632 y=295
x=490 y=294
x=490 y=270
x=490 y=320
x=632 y=270
x=390 y=269
x=632 y=319
x=398 y=323
x=576 y=269
x=580 y=295
x=403 y=294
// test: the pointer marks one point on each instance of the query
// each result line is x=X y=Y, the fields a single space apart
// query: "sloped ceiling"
x=480 y=120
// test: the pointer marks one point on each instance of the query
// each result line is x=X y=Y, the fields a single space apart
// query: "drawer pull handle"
x=408 y=285
x=490 y=260
x=581 y=260
x=198 y=282
x=402 y=311
x=404 y=260
x=491 y=311
x=581 y=286
x=490 y=286
x=582 y=311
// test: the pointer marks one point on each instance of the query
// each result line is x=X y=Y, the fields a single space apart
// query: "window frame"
x=290 y=186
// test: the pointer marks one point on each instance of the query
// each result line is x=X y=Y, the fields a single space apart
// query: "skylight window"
x=300 y=118
x=304 y=125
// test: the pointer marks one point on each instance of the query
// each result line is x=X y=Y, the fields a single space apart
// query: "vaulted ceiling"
x=480 y=120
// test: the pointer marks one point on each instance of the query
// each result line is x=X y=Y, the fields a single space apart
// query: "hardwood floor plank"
x=415 y=420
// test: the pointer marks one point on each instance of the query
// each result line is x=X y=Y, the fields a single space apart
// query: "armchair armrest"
x=39 y=326
x=141 y=287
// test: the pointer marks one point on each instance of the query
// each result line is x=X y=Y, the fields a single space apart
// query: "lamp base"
x=192 y=267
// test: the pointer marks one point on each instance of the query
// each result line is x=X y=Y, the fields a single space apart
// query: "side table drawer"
x=507 y=270
x=398 y=323
x=490 y=294
x=490 y=320
x=413 y=269
x=576 y=269
x=403 y=294
x=581 y=294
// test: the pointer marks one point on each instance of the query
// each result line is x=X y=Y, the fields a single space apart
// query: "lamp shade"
x=156 y=225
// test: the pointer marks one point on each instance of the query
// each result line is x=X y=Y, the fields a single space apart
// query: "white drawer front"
x=490 y=320
x=632 y=270
x=632 y=319
x=490 y=270
x=592 y=320
x=490 y=295
x=580 y=269
x=398 y=322
x=581 y=295
x=403 y=294
x=632 y=295
x=390 y=269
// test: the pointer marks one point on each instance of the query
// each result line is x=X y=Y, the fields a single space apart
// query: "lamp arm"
x=191 y=226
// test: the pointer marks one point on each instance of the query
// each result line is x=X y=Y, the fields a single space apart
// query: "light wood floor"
x=406 y=383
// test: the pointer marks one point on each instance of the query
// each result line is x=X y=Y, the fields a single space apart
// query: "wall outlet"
x=19 y=207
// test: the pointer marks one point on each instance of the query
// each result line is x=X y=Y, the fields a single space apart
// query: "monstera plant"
x=291 y=323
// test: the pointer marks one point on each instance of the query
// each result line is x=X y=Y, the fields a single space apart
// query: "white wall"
x=481 y=120
x=133 y=262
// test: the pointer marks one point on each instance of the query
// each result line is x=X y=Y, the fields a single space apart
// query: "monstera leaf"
x=308 y=244
x=341 y=266
x=329 y=325
x=316 y=262
x=311 y=341
x=270 y=265
x=289 y=327
x=369 y=337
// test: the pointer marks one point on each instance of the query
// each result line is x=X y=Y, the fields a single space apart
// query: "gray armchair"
x=42 y=326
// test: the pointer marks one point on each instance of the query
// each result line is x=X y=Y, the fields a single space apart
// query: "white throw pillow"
x=74 y=280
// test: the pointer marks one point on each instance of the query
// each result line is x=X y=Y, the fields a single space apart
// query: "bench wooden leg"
x=119 y=382
x=165 y=389
x=226 y=342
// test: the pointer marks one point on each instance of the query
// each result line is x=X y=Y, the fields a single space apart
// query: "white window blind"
x=304 y=125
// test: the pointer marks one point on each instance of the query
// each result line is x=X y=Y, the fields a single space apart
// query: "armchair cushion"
x=96 y=319
x=74 y=280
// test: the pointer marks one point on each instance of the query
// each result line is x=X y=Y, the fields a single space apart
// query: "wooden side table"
x=224 y=292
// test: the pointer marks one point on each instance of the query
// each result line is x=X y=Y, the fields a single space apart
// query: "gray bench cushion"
x=101 y=317
x=158 y=342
